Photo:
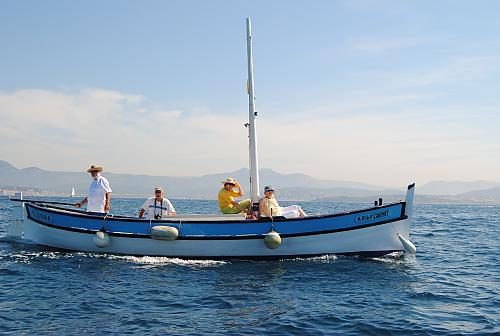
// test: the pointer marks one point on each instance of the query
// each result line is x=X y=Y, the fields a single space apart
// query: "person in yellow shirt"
x=226 y=196
x=268 y=206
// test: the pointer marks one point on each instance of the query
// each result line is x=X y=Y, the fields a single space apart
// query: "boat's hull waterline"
x=368 y=232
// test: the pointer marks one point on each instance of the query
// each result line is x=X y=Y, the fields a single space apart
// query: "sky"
x=382 y=92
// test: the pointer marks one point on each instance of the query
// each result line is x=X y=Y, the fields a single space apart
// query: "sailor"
x=99 y=192
x=158 y=206
x=226 y=196
x=268 y=206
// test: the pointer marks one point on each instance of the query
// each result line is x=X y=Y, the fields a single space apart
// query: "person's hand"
x=78 y=204
x=106 y=207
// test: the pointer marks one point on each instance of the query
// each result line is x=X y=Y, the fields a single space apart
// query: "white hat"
x=229 y=180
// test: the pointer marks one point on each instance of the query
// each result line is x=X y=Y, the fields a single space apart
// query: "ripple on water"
x=160 y=261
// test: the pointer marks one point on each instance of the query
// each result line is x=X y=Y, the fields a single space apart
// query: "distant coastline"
x=37 y=182
x=419 y=199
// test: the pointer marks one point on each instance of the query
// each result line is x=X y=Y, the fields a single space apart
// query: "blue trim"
x=216 y=230
x=362 y=254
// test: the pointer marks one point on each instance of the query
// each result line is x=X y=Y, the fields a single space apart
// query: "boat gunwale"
x=221 y=237
x=80 y=213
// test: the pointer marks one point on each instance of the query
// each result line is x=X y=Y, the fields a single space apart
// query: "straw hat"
x=229 y=180
x=94 y=169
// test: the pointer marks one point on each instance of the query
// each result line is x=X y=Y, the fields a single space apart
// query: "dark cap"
x=268 y=188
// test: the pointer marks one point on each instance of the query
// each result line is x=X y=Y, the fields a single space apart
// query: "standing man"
x=99 y=192
x=226 y=196
x=157 y=206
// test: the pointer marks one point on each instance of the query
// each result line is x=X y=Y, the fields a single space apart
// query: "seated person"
x=158 y=206
x=268 y=206
x=226 y=196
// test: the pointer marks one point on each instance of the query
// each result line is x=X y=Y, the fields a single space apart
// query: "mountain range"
x=289 y=186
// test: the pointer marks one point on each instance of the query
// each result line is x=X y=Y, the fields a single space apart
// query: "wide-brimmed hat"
x=268 y=188
x=94 y=169
x=229 y=180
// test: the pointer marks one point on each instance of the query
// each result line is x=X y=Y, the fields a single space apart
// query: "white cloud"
x=69 y=131
x=371 y=45
x=454 y=70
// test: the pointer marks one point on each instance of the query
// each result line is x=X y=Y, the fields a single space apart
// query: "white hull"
x=376 y=240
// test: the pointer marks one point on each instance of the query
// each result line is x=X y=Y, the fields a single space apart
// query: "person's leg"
x=294 y=209
x=290 y=213
x=246 y=205
x=230 y=211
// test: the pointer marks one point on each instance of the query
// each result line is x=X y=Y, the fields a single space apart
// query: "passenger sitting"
x=268 y=206
x=158 y=206
x=226 y=196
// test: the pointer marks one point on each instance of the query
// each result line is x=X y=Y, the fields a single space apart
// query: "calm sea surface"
x=451 y=286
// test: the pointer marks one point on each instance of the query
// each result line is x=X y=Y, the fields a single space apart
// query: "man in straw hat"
x=99 y=192
x=227 y=204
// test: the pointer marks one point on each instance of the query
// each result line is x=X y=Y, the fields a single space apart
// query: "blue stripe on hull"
x=241 y=229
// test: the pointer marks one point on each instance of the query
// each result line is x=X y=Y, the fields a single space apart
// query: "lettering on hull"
x=41 y=216
x=372 y=216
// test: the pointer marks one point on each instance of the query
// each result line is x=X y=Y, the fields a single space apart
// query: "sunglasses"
x=158 y=191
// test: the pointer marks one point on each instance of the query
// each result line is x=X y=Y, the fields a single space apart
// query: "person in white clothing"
x=99 y=192
x=158 y=206
x=269 y=207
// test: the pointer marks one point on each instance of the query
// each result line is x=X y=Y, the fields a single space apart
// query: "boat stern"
x=16 y=227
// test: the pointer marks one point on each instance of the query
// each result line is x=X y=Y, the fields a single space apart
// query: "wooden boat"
x=374 y=231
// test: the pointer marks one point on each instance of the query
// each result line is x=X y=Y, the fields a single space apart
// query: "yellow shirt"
x=226 y=197
x=268 y=204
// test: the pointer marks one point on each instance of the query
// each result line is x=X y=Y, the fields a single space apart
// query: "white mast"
x=252 y=133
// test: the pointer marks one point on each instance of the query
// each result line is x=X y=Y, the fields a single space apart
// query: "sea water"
x=450 y=287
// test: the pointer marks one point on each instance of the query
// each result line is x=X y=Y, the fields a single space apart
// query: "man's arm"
x=264 y=208
x=141 y=213
x=82 y=202
x=240 y=190
x=106 y=202
x=170 y=209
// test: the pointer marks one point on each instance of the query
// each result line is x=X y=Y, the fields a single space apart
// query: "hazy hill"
x=181 y=187
x=289 y=186
x=455 y=187
x=486 y=193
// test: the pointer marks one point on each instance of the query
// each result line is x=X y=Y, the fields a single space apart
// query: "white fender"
x=163 y=232
x=407 y=244
x=272 y=239
x=101 y=239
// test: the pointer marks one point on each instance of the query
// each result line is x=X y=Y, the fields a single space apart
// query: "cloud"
x=126 y=133
x=71 y=130
x=454 y=70
x=371 y=45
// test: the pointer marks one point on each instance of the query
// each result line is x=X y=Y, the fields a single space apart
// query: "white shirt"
x=162 y=207
x=97 y=194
